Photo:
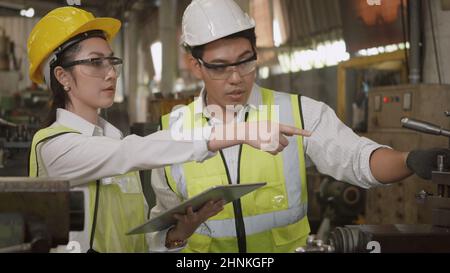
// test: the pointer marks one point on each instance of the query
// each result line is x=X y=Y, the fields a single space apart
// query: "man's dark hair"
x=249 y=34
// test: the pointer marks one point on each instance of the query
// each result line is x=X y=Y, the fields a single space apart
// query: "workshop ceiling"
x=116 y=8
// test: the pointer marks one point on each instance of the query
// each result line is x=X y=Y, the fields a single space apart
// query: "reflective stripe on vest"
x=281 y=203
x=253 y=224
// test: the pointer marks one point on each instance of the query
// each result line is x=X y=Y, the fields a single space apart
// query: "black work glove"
x=423 y=162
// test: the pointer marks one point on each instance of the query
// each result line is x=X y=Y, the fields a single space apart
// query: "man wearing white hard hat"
x=221 y=41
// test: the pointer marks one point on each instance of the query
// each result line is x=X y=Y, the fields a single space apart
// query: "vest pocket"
x=269 y=198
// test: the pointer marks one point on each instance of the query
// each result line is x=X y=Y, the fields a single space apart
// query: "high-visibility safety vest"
x=120 y=208
x=270 y=219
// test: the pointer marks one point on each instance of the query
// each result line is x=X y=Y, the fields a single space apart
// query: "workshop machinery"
x=414 y=216
x=37 y=214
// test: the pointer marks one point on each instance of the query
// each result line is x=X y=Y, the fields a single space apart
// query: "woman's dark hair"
x=66 y=53
x=59 y=96
x=249 y=34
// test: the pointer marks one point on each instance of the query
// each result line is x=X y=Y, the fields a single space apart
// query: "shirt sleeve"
x=165 y=199
x=82 y=158
x=335 y=149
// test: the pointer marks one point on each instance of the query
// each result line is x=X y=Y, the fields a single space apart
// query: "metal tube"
x=440 y=163
x=414 y=56
x=167 y=33
x=441 y=190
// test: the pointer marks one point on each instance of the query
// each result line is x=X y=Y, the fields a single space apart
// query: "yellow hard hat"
x=57 y=27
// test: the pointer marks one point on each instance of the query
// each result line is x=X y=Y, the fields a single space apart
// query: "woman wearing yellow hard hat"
x=68 y=49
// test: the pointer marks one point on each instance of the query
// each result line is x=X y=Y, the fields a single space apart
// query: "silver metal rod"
x=414 y=55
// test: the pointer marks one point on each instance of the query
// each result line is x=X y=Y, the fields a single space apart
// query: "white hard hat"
x=205 y=21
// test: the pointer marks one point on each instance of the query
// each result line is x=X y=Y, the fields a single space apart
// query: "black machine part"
x=381 y=239
x=346 y=200
x=45 y=211
x=390 y=239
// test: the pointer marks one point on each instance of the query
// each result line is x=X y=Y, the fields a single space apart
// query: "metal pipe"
x=424 y=127
x=436 y=55
x=440 y=163
x=441 y=190
x=167 y=33
x=415 y=42
x=440 y=167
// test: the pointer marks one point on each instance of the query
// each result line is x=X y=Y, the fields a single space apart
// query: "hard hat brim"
x=110 y=26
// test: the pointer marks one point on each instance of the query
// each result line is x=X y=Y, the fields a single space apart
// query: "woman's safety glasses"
x=97 y=67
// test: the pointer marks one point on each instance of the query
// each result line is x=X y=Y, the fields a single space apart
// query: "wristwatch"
x=175 y=243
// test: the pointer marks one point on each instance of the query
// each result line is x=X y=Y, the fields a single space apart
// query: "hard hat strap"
x=75 y=40
x=52 y=60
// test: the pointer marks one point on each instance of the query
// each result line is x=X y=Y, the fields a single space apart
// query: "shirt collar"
x=73 y=121
x=254 y=101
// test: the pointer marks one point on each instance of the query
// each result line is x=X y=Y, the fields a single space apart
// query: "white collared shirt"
x=100 y=152
x=333 y=148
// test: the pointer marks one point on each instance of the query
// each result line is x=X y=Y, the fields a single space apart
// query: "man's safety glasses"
x=224 y=71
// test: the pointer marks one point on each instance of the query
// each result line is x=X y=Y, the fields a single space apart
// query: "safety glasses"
x=97 y=67
x=224 y=71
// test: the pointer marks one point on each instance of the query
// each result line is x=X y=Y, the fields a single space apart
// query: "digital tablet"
x=229 y=193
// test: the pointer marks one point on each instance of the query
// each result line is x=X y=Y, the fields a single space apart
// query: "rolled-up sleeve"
x=335 y=149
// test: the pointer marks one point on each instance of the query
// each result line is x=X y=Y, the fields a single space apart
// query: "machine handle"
x=7 y=123
x=424 y=127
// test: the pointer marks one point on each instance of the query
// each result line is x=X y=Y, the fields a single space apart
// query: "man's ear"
x=195 y=67
x=62 y=76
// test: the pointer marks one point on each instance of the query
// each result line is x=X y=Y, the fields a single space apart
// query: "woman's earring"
x=67 y=88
